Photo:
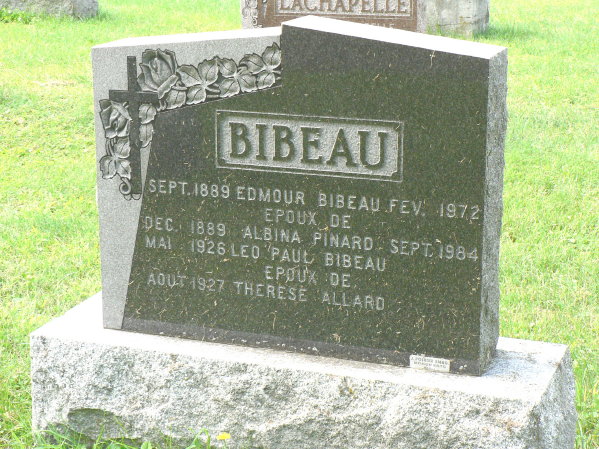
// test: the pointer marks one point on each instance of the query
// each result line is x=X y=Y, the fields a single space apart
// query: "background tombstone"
x=455 y=16
x=100 y=381
x=76 y=8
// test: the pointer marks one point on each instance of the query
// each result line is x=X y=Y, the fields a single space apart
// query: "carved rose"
x=115 y=119
x=176 y=86
x=159 y=70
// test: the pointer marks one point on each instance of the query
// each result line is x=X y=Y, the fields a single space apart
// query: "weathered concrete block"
x=143 y=387
x=76 y=8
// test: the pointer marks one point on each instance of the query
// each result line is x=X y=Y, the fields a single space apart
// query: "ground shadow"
x=507 y=31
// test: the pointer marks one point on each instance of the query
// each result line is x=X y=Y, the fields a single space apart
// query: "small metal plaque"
x=429 y=363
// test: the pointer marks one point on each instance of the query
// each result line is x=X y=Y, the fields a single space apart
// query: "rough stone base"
x=76 y=8
x=142 y=387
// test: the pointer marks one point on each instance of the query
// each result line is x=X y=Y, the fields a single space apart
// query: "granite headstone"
x=77 y=8
x=333 y=190
x=456 y=16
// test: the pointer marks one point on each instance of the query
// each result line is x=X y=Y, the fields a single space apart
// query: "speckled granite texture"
x=143 y=387
x=77 y=8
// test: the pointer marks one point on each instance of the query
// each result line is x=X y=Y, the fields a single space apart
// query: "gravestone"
x=76 y=8
x=464 y=17
x=317 y=211
x=352 y=211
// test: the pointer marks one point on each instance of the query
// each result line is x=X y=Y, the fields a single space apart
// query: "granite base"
x=116 y=384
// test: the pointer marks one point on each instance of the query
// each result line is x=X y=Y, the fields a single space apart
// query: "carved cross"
x=135 y=98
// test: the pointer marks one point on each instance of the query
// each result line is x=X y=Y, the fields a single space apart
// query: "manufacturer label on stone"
x=341 y=147
x=429 y=363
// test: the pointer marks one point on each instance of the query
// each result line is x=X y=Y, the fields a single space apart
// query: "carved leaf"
x=229 y=87
x=120 y=109
x=253 y=62
x=176 y=97
x=208 y=71
x=265 y=79
x=147 y=112
x=108 y=167
x=122 y=148
x=247 y=81
x=196 y=94
x=228 y=68
x=146 y=131
x=272 y=56
x=189 y=75
x=123 y=168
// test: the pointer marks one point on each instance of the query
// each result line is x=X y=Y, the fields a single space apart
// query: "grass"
x=48 y=220
x=54 y=440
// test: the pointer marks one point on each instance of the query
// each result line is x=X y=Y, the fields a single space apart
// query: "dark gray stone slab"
x=345 y=201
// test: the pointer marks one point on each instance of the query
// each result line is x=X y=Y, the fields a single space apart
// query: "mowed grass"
x=49 y=256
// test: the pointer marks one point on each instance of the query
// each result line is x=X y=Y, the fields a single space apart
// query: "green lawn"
x=48 y=220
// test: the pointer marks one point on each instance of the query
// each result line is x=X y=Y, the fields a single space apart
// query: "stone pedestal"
x=464 y=17
x=77 y=8
x=142 y=387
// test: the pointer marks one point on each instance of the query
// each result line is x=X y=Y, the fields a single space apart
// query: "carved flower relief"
x=147 y=112
x=236 y=79
x=267 y=67
x=176 y=86
x=116 y=121
x=115 y=161
x=200 y=81
x=159 y=74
